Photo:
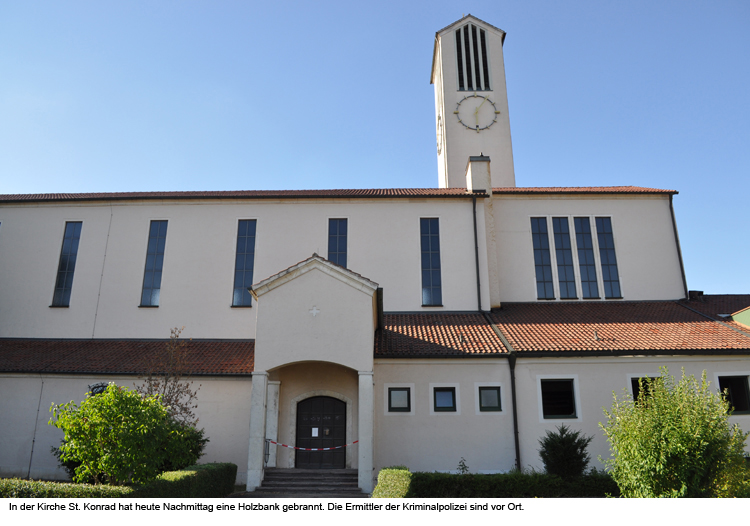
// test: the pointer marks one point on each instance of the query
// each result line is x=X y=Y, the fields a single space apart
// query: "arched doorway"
x=321 y=423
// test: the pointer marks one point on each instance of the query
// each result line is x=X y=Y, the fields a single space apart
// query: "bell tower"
x=471 y=102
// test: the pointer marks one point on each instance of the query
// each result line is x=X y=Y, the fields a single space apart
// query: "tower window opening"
x=472 y=60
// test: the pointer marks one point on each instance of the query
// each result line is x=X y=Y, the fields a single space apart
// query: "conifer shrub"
x=675 y=440
x=563 y=452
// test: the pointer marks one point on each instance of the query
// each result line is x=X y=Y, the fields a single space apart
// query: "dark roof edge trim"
x=242 y=197
x=129 y=374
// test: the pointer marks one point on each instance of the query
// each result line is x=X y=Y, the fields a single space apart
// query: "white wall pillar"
x=256 y=447
x=366 y=415
x=272 y=420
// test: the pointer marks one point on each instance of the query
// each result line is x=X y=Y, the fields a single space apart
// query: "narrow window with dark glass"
x=610 y=276
x=545 y=289
x=445 y=399
x=565 y=272
x=68 y=254
x=735 y=390
x=586 y=260
x=157 y=239
x=489 y=399
x=244 y=263
x=399 y=400
x=337 y=241
x=558 y=399
x=467 y=56
x=460 y=58
x=431 y=280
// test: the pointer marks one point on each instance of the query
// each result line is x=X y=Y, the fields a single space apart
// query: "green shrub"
x=120 y=436
x=564 y=453
x=201 y=481
x=398 y=484
x=675 y=441
x=393 y=483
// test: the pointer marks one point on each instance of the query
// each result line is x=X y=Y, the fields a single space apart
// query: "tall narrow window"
x=157 y=239
x=610 y=276
x=565 y=273
x=586 y=260
x=337 y=241
x=471 y=59
x=431 y=281
x=545 y=289
x=244 y=263
x=68 y=253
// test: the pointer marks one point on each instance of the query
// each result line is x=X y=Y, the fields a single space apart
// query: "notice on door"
x=314 y=432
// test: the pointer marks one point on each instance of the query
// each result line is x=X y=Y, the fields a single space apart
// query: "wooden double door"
x=321 y=423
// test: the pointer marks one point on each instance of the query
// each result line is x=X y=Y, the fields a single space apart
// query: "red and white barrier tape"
x=312 y=448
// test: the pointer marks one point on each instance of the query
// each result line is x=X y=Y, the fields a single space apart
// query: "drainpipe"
x=476 y=252
x=679 y=250
x=512 y=355
x=36 y=423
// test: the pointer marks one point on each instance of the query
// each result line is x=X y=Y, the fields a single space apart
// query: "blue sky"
x=187 y=95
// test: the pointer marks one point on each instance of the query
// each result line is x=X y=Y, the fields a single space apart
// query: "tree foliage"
x=167 y=373
x=563 y=452
x=120 y=436
x=675 y=440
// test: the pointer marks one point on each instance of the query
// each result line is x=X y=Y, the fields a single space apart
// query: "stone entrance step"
x=307 y=483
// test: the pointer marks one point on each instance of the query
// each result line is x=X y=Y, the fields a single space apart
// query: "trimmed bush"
x=398 y=484
x=563 y=452
x=201 y=481
x=393 y=483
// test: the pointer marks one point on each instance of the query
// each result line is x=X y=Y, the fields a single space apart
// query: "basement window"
x=558 y=399
x=735 y=390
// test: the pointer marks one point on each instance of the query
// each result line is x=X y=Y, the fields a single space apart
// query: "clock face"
x=476 y=112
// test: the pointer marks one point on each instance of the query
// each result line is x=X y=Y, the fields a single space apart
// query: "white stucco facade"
x=402 y=341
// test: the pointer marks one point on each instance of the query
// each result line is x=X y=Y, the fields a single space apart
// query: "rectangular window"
x=565 y=273
x=67 y=265
x=337 y=241
x=472 y=60
x=489 y=399
x=431 y=280
x=244 y=263
x=635 y=384
x=545 y=290
x=735 y=390
x=558 y=399
x=444 y=399
x=586 y=260
x=399 y=400
x=157 y=239
x=610 y=277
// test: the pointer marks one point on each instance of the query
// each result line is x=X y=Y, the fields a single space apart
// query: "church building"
x=389 y=327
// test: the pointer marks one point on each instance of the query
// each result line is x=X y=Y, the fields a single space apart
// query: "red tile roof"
x=436 y=335
x=581 y=190
x=362 y=193
x=221 y=357
x=244 y=194
x=614 y=327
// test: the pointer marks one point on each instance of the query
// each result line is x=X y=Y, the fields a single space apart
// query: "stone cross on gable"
x=314 y=311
